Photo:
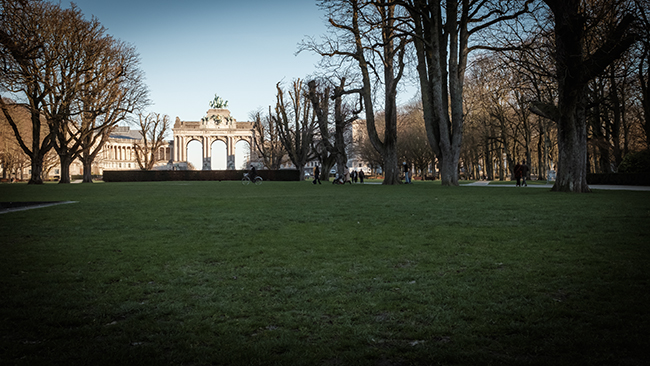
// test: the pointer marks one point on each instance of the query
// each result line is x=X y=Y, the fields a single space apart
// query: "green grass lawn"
x=215 y=273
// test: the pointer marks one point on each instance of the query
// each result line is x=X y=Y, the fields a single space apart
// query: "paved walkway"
x=549 y=186
x=6 y=207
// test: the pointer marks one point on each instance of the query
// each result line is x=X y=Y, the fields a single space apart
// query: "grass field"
x=215 y=273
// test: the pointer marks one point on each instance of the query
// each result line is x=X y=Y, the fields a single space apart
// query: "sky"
x=191 y=50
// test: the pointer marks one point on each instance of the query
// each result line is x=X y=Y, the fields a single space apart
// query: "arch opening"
x=219 y=155
x=195 y=155
x=242 y=154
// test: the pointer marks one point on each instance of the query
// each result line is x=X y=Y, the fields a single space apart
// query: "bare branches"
x=79 y=79
x=296 y=124
x=267 y=141
x=153 y=128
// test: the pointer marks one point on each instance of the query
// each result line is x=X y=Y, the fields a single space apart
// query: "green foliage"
x=216 y=273
x=636 y=162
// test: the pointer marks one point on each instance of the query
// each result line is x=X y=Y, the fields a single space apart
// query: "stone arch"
x=217 y=128
x=219 y=154
x=242 y=153
x=194 y=152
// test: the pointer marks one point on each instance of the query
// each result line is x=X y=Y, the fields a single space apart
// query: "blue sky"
x=192 y=49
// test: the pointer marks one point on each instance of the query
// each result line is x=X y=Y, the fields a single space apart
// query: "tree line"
x=66 y=84
x=553 y=83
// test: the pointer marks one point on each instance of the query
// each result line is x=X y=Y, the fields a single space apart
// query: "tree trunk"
x=88 y=173
x=326 y=166
x=487 y=163
x=391 y=165
x=38 y=152
x=448 y=171
x=301 y=170
x=37 y=170
x=541 y=166
x=572 y=148
x=574 y=70
x=65 y=162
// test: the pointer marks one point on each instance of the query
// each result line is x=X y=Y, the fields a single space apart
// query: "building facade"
x=223 y=141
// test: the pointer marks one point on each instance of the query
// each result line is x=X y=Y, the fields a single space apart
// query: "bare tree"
x=116 y=89
x=22 y=28
x=267 y=141
x=579 y=58
x=441 y=36
x=296 y=124
x=643 y=68
x=367 y=34
x=330 y=142
x=71 y=59
x=12 y=156
x=75 y=45
x=324 y=148
x=153 y=128
x=533 y=74
x=412 y=144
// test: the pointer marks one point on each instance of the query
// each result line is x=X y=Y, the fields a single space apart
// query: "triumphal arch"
x=215 y=129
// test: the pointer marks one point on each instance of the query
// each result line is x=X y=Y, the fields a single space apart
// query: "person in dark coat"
x=252 y=173
x=524 y=173
x=518 y=170
x=407 y=169
x=361 y=175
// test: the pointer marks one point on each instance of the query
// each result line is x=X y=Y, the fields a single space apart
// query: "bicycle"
x=246 y=180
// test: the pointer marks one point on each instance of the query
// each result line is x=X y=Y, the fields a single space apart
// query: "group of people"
x=348 y=177
x=521 y=172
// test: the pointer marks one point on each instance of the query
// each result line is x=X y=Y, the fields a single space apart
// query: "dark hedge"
x=636 y=162
x=620 y=179
x=175 y=175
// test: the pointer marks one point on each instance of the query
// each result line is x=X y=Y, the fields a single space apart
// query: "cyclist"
x=252 y=173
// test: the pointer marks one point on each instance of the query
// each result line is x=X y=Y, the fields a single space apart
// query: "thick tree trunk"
x=37 y=170
x=572 y=148
x=326 y=166
x=37 y=154
x=448 y=172
x=574 y=70
x=88 y=173
x=301 y=169
x=65 y=162
x=572 y=84
x=341 y=162
x=391 y=166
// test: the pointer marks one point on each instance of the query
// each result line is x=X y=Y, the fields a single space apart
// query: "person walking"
x=524 y=173
x=361 y=175
x=317 y=174
x=346 y=175
x=518 y=170
x=407 y=168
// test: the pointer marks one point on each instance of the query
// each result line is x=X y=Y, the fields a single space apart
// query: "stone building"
x=118 y=154
x=223 y=141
